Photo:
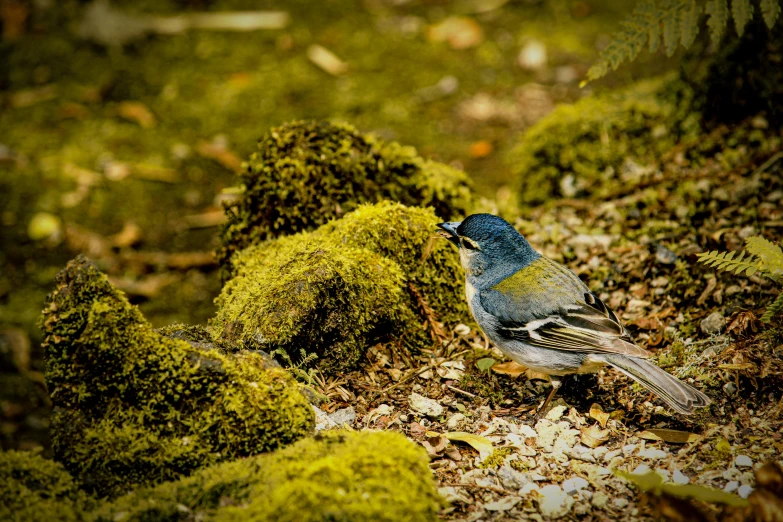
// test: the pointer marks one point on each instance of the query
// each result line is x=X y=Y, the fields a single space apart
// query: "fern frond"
x=770 y=10
x=727 y=262
x=718 y=12
x=651 y=20
x=770 y=255
x=689 y=23
x=774 y=308
x=742 y=12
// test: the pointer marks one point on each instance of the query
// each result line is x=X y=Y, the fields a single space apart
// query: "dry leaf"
x=653 y=483
x=480 y=149
x=137 y=112
x=326 y=60
x=598 y=413
x=593 y=436
x=671 y=436
x=533 y=376
x=509 y=368
x=481 y=444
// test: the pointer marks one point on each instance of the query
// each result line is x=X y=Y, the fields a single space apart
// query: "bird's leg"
x=556 y=383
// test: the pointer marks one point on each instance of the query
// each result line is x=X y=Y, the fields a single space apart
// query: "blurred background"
x=122 y=123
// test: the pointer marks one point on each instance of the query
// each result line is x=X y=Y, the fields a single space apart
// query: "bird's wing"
x=546 y=305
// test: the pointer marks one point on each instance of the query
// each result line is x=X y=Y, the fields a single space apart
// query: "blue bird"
x=542 y=316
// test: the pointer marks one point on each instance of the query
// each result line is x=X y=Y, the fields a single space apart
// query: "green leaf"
x=689 y=23
x=774 y=308
x=485 y=363
x=742 y=12
x=481 y=444
x=770 y=10
x=718 y=13
x=653 y=483
x=671 y=27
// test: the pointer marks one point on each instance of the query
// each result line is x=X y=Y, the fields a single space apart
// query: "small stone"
x=553 y=501
x=322 y=420
x=620 y=503
x=731 y=486
x=600 y=451
x=344 y=416
x=455 y=420
x=425 y=405
x=678 y=477
x=641 y=469
x=555 y=413
x=503 y=504
x=528 y=489
x=713 y=323
x=582 y=453
x=612 y=454
x=511 y=478
x=572 y=485
x=652 y=454
x=547 y=433
x=526 y=431
x=517 y=441
x=600 y=499
x=744 y=490
x=667 y=477
x=454 y=495
x=665 y=256
x=730 y=388
x=462 y=329
x=743 y=461
x=628 y=449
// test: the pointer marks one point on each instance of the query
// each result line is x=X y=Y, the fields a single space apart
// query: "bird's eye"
x=469 y=244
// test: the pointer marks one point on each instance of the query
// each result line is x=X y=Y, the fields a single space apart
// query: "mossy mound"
x=339 y=289
x=346 y=476
x=133 y=406
x=592 y=146
x=33 y=489
x=305 y=173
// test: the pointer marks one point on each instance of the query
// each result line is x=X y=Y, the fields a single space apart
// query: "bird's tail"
x=672 y=391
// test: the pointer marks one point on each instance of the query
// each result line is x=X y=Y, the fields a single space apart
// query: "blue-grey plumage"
x=541 y=315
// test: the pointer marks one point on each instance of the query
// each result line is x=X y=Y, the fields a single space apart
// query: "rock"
x=462 y=329
x=511 y=478
x=547 y=433
x=503 y=504
x=454 y=495
x=582 y=453
x=160 y=407
x=713 y=323
x=678 y=477
x=744 y=491
x=355 y=280
x=553 y=502
x=322 y=420
x=424 y=405
x=526 y=431
x=743 y=461
x=518 y=442
x=344 y=416
x=612 y=454
x=730 y=388
x=555 y=413
x=338 y=475
x=731 y=486
x=641 y=469
x=454 y=421
x=572 y=485
x=628 y=449
x=528 y=488
x=330 y=169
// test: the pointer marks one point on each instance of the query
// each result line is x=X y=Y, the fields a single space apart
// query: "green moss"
x=346 y=476
x=133 y=406
x=495 y=460
x=339 y=289
x=305 y=173
x=33 y=488
x=586 y=145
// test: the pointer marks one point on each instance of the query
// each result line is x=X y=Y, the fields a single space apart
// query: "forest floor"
x=122 y=154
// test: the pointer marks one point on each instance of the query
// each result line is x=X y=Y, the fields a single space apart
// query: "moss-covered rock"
x=305 y=173
x=592 y=146
x=346 y=476
x=133 y=406
x=33 y=489
x=337 y=290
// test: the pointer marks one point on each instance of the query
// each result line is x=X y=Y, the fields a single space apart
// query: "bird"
x=542 y=316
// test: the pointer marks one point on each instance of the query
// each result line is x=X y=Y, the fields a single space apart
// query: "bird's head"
x=488 y=245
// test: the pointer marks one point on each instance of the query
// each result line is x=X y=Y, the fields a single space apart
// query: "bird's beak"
x=451 y=231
